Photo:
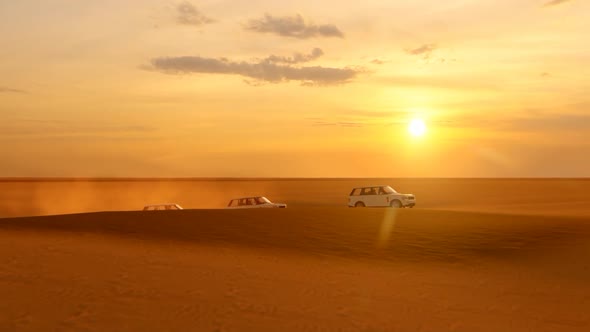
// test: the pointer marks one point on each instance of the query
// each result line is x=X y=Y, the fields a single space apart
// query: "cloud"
x=296 y=58
x=264 y=71
x=63 y=129
x=292 y=26
x=378 y=61
x=424 y=50
x=355 y=118
x=567 y=123
x=188 y=14
x=555 y=3
x=441 y=82
x=348 y=124
x=527 y=121
x=10 y=90
x=377 y=115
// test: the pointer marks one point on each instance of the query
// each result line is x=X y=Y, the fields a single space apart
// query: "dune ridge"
x=370 y=233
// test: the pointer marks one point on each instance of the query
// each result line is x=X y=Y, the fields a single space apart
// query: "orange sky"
x=306 y=88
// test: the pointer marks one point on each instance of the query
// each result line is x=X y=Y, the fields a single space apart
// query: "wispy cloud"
x=348 y=124
x=378 y=61
x=296 y=58
x=438 y=82
x=531 y=123
x=292 y=26
x=355 y=118
x=188 y=14
x=524 y=122
x=424 y=50
x=568 y=123
x=555 y=3
x=264 y=70
x=56 y=128
x=11 y=90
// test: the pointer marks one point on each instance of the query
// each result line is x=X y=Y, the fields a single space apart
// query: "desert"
x=473 y=255
x=294 y=166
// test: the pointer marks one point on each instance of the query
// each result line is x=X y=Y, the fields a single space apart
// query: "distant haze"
x=294 y=89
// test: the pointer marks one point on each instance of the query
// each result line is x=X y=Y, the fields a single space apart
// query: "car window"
x=389 y=190
x=355 y=192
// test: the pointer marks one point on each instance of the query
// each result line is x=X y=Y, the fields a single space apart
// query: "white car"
x=256 y=202
x=157 y=207
x=379 y=196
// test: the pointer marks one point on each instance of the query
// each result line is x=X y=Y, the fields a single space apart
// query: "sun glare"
x=417 y=127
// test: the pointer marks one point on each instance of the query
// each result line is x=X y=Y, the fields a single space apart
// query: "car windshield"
x=389 y=190
x=262 y=200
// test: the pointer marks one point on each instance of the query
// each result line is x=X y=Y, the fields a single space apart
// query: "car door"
x=364 y=196
x=251 y=203
x=381 y=199
x=368 y=195
x=375 y=197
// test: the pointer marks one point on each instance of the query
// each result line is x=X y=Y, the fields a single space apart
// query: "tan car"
x=162 y=207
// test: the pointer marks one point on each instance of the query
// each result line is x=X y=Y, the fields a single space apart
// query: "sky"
x=266 y=88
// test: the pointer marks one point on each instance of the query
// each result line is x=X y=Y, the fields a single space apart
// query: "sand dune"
x=307 y=269
x=519 y=261
x=363 y=233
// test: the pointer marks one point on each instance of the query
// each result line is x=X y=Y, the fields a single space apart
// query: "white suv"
x=256 y=202
x=379 y=196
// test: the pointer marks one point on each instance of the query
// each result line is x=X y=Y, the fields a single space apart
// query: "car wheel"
x=396 y=204
x=359 y=204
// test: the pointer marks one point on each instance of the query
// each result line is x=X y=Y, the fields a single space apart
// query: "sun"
x=417 y=127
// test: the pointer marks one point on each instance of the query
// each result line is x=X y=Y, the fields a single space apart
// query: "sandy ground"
x=521 y=264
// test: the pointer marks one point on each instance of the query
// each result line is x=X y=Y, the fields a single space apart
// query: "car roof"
x=377 y=185
x=163 y=204
x=233 y=199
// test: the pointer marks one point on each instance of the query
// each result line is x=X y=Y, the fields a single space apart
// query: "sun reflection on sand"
x=387 y=226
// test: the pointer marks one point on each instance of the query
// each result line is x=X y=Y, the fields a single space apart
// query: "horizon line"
x=115 y=179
